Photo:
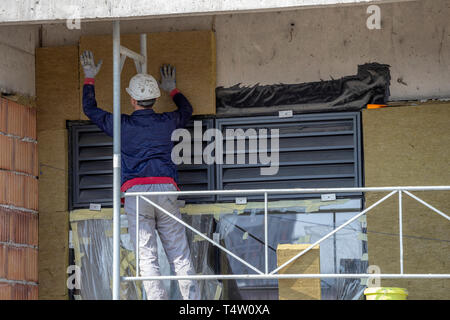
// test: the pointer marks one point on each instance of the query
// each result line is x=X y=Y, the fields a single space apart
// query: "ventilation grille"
x=315 y=151
x=92 y=170
x=91 y=164
x=197 y=177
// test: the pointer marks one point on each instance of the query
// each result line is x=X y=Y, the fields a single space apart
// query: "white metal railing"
x=273 y=274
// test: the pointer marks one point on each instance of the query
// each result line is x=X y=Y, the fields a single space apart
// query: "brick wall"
x=18 y=202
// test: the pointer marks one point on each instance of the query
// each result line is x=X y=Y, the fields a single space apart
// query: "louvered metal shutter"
x=91 y=166
x=315 y=151
x=92 y=172
x=193 y=177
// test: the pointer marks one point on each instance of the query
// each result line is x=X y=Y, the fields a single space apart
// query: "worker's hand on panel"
x=88 y=64
x=168 y=78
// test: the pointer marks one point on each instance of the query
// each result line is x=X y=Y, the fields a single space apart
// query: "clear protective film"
x=240 y=229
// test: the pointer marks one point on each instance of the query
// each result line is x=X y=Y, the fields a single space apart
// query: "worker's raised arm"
x=184 y=111
x=101 y=118
x=168 y=83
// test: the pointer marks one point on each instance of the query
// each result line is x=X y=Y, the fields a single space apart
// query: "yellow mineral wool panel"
x=57 y=87
x=191 y=52
x=309 y=263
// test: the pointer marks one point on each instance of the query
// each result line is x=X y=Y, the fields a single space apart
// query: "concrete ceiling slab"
x=40 y=11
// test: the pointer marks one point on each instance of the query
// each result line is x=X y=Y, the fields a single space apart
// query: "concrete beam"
x=17 y=71
x=40 y=11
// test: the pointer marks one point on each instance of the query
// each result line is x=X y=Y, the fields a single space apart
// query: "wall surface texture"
x=289 y=47
x=298 y=289
x=17 y=45
x=57 y=101
x=18 y=202
x=13 y=11
x=313 y=44
x=408 y=146
x=193 y=53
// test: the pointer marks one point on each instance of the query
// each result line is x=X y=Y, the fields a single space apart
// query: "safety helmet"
x=143 y=87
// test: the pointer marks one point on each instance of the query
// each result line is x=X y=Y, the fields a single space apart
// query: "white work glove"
x=168 y=82
x=88 y=64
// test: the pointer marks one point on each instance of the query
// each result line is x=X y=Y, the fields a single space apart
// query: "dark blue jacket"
x=146 y=136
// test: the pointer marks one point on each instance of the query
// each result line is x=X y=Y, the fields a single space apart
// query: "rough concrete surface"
x=313 y=44
x=13 y=11
x=17 y=44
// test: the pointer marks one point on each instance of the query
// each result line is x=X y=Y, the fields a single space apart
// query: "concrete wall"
x=13 y=11
x=17 y=45
x=314 y=44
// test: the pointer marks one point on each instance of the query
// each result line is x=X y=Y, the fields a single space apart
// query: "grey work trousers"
x=173 y=238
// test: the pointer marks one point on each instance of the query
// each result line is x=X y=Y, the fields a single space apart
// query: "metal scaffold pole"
x=116 y=160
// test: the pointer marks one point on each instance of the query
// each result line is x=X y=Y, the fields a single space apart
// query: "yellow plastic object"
x=385 y=293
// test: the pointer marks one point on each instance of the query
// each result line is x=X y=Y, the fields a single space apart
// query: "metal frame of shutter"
x=316 y=151
x=188 y=173
x=90 y=162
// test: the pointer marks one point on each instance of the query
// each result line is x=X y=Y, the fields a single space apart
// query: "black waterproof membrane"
x=369 y=86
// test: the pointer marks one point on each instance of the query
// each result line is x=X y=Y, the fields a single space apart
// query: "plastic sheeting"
x=93 y=254
x=370 y=85
x=341 y=253
x=242 y=232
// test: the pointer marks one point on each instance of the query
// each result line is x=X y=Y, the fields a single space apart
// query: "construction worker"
x=147 y=166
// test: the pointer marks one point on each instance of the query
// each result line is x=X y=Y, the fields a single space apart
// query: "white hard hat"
x=143 y=87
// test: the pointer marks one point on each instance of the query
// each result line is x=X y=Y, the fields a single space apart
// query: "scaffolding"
x=119 y=55
x=272 y=274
